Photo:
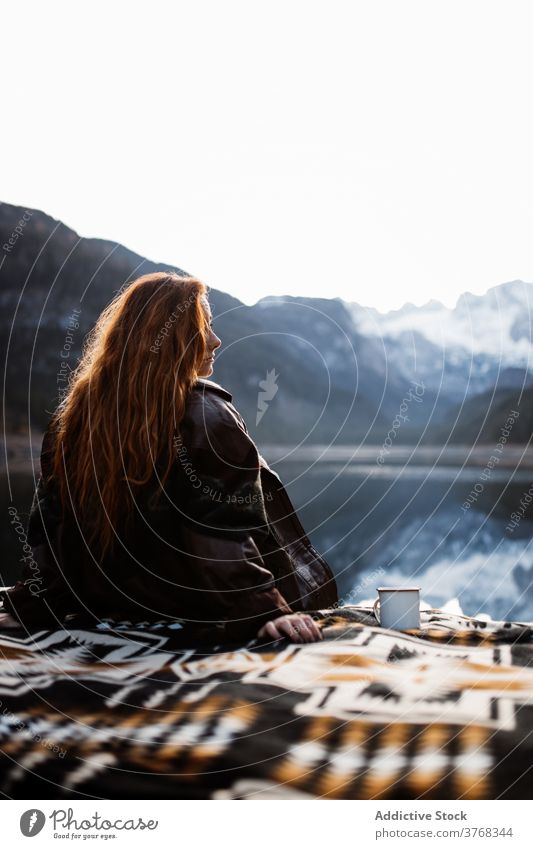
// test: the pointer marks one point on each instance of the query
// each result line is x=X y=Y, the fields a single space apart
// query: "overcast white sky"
x=379 y=151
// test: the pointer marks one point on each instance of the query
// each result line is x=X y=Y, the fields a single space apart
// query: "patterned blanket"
x=147 y=710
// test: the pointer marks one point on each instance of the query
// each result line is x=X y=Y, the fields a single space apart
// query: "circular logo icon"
x=31 y=822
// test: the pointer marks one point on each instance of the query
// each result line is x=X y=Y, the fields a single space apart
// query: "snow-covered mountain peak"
x=498 y=324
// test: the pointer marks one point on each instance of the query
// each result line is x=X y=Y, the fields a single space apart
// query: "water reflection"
x=444 y=526
x=406 y=517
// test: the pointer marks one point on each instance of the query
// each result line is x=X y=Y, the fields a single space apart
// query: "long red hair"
x=115 y=426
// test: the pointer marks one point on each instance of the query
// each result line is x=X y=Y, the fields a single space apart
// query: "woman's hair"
x=115 y=426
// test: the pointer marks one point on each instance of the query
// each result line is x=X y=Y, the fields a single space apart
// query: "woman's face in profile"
x=213 y=342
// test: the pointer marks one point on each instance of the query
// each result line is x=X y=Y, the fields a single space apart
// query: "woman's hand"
x=298 y=627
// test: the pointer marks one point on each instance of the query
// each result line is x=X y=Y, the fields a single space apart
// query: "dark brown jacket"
x=222 y=548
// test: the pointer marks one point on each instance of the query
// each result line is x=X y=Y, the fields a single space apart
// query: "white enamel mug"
x=398 y=608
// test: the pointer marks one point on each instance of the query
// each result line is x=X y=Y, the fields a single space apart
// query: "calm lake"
x=444 y=519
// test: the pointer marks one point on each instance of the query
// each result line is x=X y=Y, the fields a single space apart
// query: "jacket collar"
x=203 y=384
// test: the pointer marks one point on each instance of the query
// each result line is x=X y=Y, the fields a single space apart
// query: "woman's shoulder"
x=211 y=403
x=205 y=386
x=211 y=420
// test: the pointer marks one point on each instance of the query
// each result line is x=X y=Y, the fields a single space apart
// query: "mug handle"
x=375 y=610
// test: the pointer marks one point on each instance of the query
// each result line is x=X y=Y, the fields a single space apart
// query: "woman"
x=153 y=499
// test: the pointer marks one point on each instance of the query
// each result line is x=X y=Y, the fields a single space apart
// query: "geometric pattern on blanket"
x=140 y=710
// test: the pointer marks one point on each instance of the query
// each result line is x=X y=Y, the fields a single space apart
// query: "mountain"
x=481 y=419
x=465 y=355
x=328 y=380
x=319 y=370
x=496 y=326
